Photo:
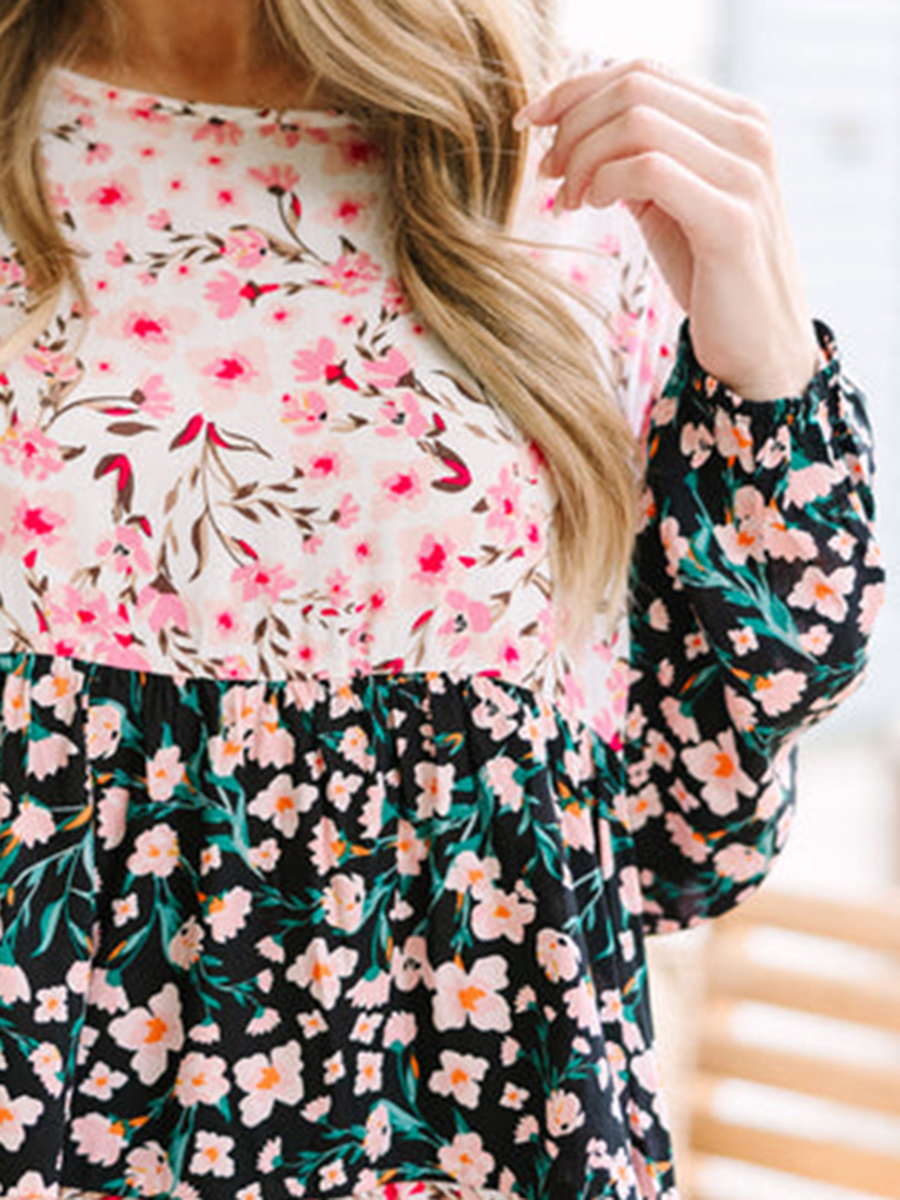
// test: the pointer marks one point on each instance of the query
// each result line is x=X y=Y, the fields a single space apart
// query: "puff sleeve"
x=755 y=583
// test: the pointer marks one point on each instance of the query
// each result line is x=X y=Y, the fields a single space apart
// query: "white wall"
x=680 y=32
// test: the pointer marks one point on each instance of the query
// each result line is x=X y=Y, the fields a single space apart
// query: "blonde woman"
x=336 y=798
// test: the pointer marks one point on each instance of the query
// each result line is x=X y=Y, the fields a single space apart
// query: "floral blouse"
x=324 y=869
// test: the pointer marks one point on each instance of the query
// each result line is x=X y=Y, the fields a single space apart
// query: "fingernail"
x=522 y=119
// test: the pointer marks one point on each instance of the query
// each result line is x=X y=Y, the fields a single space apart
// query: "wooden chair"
x=859 y=946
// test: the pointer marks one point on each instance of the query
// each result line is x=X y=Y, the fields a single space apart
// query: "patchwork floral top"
x=324 y=870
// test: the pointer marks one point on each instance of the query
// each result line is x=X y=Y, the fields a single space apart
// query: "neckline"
x=103 y=91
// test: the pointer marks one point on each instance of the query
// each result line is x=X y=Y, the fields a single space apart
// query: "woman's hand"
x=696 y=167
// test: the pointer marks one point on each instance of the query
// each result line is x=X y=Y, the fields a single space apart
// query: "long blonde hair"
x=439 y=81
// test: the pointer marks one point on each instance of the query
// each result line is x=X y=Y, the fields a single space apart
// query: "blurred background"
x=829 y=73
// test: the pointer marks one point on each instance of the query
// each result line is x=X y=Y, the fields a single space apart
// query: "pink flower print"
x=321 y=970
x=118 y=255
x=277 y=180
x=816 y=640
x=148 y=1171
x=225 y=623
x=219 y=131
x=186 y=947
x=246 y=248
x=354 y=746
x=59 y=689
x=281 y=803
x=466 y=1160
x=411 y=850
x=102 y=1082
x=333 y=1174
x=734 y=440
x=265 y=856
x=460 y=1077
x=472 y=997
x=744 y=537
x=394 y=300
x=11 y=272
x=347 y=513
x=115 y=195
x=326 y=846
x=581 y=1006
x=696 y=444
x=471 y=874
x=402 y=414
x=434 y=559
x=212 y=1155
x=779 y=691
x=717 y=766
x=14 y=986
x=30 y=452
x=341 y=789
x=229 y=374
x=368 y=1072
x=35 y=823
x=306 y=413
x=151 y=1033
x=147 y=330
x=558 y=955
x=504 y=512
x=155 y=399
x=806 y=484
x=689 y=842
x=334 y=1068
x=350 y=209
x=52 y=1005
x=53 y=364
x=564 y=1113
x=401 y=485
x=436 y=789
x=156 y=852
x=526 y=1129
x=243 y=708
x=351 y=150
x=387 y=371
x=165 y=771
x=824 y=593
x=740 y=863
x=97 y=152
x=377 y=1139
x=400 y=1030
x=260 y=581
x=268 y=1080
x=167 y=608
x=870 y=605
x=46 y=1062
x=226 y=294
x=124 y=549
x=99 y=1139
x=502 y=914
x=271 y=744
x=321 y=365
x=160 y=220
x=366 y=1025
x=227 y=914
x=473 y=615
x=343 y=902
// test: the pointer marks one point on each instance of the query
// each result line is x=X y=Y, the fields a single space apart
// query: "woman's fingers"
x=647 y=131
x=709 y=217
x=553 y=105
x=743 y=133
